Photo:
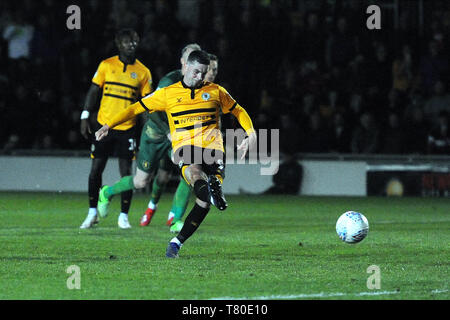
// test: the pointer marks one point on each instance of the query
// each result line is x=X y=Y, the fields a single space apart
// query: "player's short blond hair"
x=193 y=46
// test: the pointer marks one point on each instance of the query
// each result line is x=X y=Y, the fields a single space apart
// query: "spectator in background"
x=379 y=81
x=365 y=137
x=312 y=40
x=355 y=108
x=356 y=75
x=18 y=32
x=46 y=126
x=439 y=137
x=396 y=102
x=44 y=44
x=433 y=67
x=288 y=179
x=416 y=132
x=24 y=116
x=337 y=79
x=311 y=78
x=46 y=142
x=341 y=45
x=392 y=136
x=309 y=100
x=321 y=41
x=12 y=142
x=267 y=104
x=436 y=31
x=341 y=134
x=438 y=102
x=403 y=71
x=316 y=138
x=290 y=134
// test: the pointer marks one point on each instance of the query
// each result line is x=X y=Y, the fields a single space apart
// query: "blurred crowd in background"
x=309 y=68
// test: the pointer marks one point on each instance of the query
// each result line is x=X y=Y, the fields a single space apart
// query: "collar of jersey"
x=192 y=89
x=126 y=64
x=187 y=87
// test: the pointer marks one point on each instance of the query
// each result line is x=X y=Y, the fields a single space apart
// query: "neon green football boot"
x=176 y=226
x=103 y=202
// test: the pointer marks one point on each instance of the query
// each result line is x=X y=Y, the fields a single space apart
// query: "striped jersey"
x=192 y=113
x=156 y=127
x=122 y=84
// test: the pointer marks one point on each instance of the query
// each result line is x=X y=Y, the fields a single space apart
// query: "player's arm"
x=89 y=105
x=246 y=123
x=229 y=105
x=127 y=114
x=156 y=100
x=98 y=80
x=147 y=84
x=146 y=88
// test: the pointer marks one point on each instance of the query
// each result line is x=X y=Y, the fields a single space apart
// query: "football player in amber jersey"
x=192 y=107
x=120 y=81
x=154 y=156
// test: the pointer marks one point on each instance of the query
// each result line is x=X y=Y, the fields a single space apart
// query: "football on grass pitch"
x=352 y=227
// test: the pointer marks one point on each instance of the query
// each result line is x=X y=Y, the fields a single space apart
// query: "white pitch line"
x=308 y=295
x=439 y=291
x=318 y=295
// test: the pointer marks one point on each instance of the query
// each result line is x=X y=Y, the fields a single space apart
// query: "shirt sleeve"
x=152 y=102
x=155 y=101
x=147 y=84
x=226 y=100
x=243 y=118
x=99 y=76
x=229 y=105
x=127 y=114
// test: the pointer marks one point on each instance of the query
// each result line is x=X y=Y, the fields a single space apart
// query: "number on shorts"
x=132 y=144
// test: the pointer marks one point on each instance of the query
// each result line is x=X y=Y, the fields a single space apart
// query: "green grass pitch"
x=261 y=247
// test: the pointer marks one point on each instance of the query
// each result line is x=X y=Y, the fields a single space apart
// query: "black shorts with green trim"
x=118 y=143
x=212 y=161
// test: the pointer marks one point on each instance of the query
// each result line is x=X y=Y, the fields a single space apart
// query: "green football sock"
x=157 y=190
x=181 y=200
x=124 y=184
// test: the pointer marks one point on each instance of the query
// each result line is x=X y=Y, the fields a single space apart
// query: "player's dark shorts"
x=212 y=161
x=153 y=155
x=118 y=143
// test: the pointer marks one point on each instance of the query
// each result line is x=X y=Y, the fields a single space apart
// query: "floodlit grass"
x=261 y=247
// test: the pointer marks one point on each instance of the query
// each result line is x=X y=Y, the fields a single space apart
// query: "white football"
x=352 y=227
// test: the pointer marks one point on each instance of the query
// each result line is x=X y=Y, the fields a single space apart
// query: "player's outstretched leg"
x=103 y=202
x=193 y=221
x=108 y=192
x=215 y=190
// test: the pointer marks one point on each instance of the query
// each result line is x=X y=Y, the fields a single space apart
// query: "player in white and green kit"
x=155 y=156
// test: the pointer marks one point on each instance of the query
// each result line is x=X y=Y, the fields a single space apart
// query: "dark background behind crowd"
x=309 y=68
